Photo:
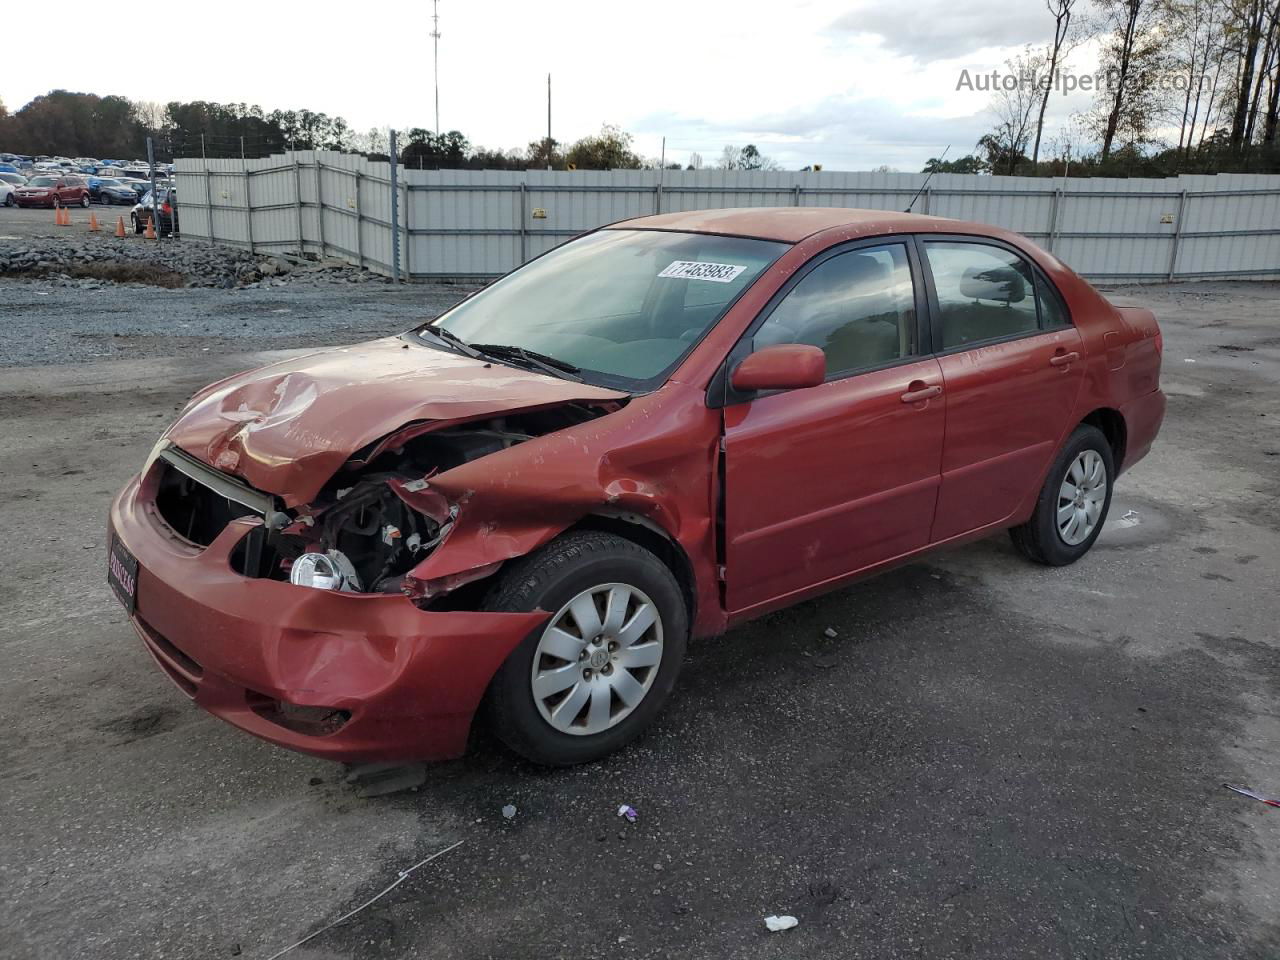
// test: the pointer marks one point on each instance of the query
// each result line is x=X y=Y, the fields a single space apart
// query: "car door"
x=1012 y=367
x=823 y=482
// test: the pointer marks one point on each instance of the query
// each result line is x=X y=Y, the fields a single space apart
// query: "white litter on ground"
x=509 y=811
x=780 y=923
x=1130 y=519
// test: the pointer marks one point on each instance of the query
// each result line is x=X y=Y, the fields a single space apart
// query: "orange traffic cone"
x=66 y=216
x=120 y=227
x=93 y=224
x=151 y=230
x=57 y=216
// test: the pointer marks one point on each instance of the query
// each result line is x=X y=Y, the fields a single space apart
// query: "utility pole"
x=155 y=203
x=435 y=37
x=548 y=121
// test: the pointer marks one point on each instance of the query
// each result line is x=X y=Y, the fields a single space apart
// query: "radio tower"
x=435 y=38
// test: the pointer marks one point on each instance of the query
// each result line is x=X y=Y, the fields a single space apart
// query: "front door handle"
x=1062 y=359
x=917 y=391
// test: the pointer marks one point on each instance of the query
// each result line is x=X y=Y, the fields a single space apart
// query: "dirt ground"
x=991 y=759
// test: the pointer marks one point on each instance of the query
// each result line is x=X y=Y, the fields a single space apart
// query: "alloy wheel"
x=597 y=659
x=1081 y=497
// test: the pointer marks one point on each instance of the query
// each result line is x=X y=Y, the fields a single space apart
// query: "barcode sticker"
x=699 y=270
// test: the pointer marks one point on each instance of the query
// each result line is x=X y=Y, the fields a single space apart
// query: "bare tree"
x=1014 y=104
x=1067 y=34
x=1132 y=56
x=1252 y=14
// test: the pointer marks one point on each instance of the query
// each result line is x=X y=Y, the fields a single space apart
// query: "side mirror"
x=785 y=366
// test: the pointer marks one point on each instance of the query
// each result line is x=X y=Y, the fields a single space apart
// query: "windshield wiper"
x=550 y=365
x=451 y=338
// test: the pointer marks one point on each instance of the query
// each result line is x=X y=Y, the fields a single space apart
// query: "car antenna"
x=926 y=180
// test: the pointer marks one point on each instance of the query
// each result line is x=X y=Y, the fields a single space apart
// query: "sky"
x=850 y=84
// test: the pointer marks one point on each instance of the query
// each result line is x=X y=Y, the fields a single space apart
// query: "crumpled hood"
x=287 y=428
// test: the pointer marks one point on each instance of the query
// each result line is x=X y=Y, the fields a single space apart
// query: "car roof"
x=791 y=224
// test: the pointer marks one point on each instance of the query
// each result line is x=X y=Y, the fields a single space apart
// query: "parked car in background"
x=7 y=190
x=114 y=191
x=167 y=202
x=656 y=431
x=13 y=179
x=140 y=187
x=8 y=168
x=48 y=190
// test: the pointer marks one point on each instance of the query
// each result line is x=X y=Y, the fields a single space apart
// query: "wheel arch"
x=1111 y=422
x=643 y=532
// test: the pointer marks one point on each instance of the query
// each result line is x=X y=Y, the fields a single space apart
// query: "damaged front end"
x=372 y=523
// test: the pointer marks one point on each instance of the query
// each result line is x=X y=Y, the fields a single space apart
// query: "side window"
x=858 y=307
x=1053 y=312
x=984 y=292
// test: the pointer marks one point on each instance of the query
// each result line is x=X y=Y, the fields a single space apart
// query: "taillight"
x=166 y=209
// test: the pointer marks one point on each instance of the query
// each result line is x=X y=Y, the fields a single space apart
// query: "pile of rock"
x=200 y=264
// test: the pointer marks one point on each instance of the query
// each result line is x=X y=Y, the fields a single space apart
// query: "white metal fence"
x=463 y=223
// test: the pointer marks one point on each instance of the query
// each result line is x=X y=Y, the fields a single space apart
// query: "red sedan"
x=654 y=432
x=53 y=191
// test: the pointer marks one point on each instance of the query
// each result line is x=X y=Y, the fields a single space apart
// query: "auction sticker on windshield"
x=699 y=270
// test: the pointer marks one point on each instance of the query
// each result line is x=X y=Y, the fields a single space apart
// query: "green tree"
x=610 y=149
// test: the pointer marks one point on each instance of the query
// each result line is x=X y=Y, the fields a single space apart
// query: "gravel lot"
x=991 y=759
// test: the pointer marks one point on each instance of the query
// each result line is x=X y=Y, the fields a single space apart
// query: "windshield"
x=107 y=182
x=43 y=181
x=624 y=306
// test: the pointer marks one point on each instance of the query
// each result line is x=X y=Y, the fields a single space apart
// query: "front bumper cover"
x=409 y=679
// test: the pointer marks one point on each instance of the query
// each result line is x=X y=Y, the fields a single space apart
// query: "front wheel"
x=597 y=673
x=1073 y=503
x=84 y=200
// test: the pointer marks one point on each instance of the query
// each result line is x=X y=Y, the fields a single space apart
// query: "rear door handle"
x=1062 y=359
x=917 y=392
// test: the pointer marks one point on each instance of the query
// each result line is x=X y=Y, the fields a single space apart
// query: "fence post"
x=208 y=196
x=408 y=228
x=925 y=195
x=524 y=222
x=795 y=195
x=1052 y=232
x=359 y=224
x=1177 y=234
x=297 y=199
x=657 y=198
x=248 y=196
x=395 y=213
x=319 y=204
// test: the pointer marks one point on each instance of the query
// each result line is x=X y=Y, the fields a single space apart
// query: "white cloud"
x=849 y=86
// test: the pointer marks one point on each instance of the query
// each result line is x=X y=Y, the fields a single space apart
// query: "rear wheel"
x=1073 y=503
x=137 y=223
x=597 y=673
x=84 y=200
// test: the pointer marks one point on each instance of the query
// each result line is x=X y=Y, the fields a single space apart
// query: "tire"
x=599 y=565
x=1043 y=537
x=56 y=204
x=84 y=200
x=9 y=201
x=137 y=223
